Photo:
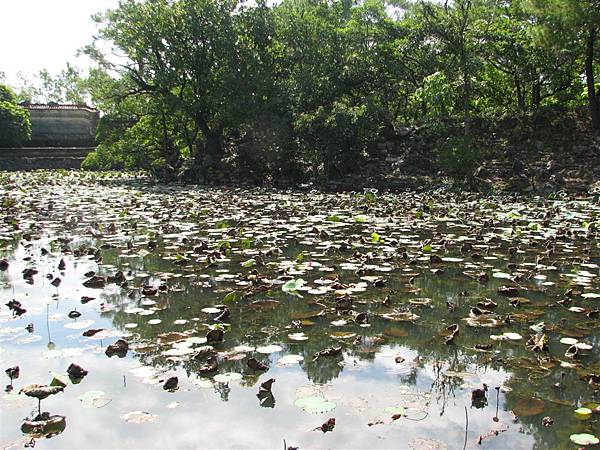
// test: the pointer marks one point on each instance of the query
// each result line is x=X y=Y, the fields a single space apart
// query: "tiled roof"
x=58 y=106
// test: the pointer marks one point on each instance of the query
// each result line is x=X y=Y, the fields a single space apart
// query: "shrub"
x=335 y=139
x=15 y=127
x=459 y=157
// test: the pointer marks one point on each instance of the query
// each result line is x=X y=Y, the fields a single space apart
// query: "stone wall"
x=32 y=158
x=62 y=125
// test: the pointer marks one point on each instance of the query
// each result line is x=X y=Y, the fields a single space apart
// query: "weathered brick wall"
x=62 y=126
x=31 y=158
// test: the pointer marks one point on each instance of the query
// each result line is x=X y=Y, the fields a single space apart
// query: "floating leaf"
x=395 y=410
x=227 y=377
x=249 y=263
x=339 y=323
x=267 y=349
x=513 y=336
x=289 y=360
x=231 y=297
x=60 y=379
x=297 y=337
x=94 y=399
x=292 y=286
x=178 y=351
x=529 y=407
x=79 y=325
x=584 y=412
x=315 y=404
x=139 y=417
x=584 y=439
x=538 y=327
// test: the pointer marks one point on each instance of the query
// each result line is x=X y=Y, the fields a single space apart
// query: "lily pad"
x=94 y=399
x=289 y=360
x=139 y=417
x=527 y=407
x=268 y=349
x=315 y=404
x=79 y=325
x=297 y=337
x=292 y=286
x=583 y=412
x=395 y=410
x=584 y=439
x=227 y=377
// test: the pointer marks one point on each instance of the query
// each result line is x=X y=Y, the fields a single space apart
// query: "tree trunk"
x=536 y=95
x=214 y=145
x=169 y=151
x=466 y=92
x=593 y=100
x=519 y=91
x=209 y=154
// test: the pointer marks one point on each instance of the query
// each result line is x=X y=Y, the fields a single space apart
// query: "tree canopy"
x=314 y=86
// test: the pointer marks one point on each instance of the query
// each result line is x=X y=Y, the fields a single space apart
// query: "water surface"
x=384 y=277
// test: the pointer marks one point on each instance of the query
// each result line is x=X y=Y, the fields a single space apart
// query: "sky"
x=45 y=34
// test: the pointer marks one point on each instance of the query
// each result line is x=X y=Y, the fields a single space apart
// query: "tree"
x=453 y=26
x=574 y=24
x=192 y=57
x=518 y=74
x=15 y=127
x=67 y=86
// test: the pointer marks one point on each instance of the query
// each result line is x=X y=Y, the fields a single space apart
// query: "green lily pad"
x=513 y=336
x=395 y=410
x=292 y=286
x=584 y=439
x=94 y=399
x=289 y=360
x=528 y=407
x=227 y=377
x=268 y=349
x=315 y=404
x=59 y=379
x=538 y=327
x=249 y=263
x=583 y=412
x=230 y=297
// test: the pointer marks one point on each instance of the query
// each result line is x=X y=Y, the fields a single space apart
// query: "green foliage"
x=68 y=86
x=15 y=127
x=335 y=140
x=218 y=90
x=458 y=157
x=438 y=93
x=292 y=287
x=7 y=95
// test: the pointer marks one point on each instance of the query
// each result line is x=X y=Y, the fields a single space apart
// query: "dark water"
x=365 y=255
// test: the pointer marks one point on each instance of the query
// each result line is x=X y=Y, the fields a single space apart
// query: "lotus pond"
x=139 y=315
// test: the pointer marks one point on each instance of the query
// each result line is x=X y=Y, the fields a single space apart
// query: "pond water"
x=386 y=312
